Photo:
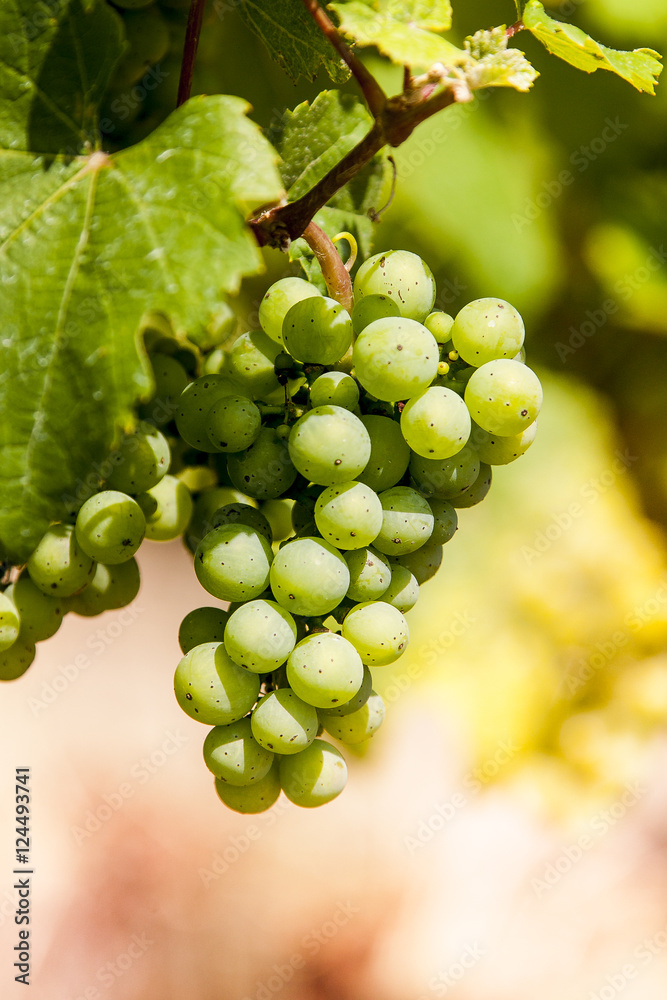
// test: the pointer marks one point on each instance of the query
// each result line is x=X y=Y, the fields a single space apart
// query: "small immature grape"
x=486 y=330
x=280 y=297
x=329 y=445
x=233 y=423
x=140 y=462
x=317 y=330
x=173 y=510
x=407 y=521
x=504 y=397
x=401 y=275
x=211 y=688
x=395 y=358
x=314 y=776
x=58 y=565
x=349 y=516
x=440 y=325
x=283 y=723
x=110 y=527
x=325 y=670
x=202 y=625
x=112 y=587
x=436 y=424
x=233 y=561
x=378 y=631
x=10 y=623
x=337 y=388
x=233 y=755
x=256 y=797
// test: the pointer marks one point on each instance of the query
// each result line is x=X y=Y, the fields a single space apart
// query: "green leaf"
x=494 y=64
x=292 y=38
x=311 y=140
x=404 y=30
x=88 y=244
x=641 y=67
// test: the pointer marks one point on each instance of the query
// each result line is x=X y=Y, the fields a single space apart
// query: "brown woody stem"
x=334 y=272
x=192 y=33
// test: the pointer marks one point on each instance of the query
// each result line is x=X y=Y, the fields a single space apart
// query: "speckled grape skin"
x=407 y=522
x=233 y=561
x=211 y=688
x=193 y=408
x=497 y=450
x=445 y=521
x=355 y=702
x=242 y=513
x=390 y=454
x=254 y=798
x=232 y=754
x=260 y=635
x=335 y=388
x=486 y=330
x=448 y=477
x=401 y=275
x=329 y=445
x=504 y=397
x=477 y=490
x=371 y=307
x=309 y=576
x=58 y=565
x=370 y=574
x=317 y=330
x=110 y=527
x=280 y=297
x=15 y=661
x=325 y=670
x=264 y=471
x=359 y=726
x=348 y=516
x=315 y=776
x=436 y=424
x=403 y=590
x=395 y=358
x=424 y=563
x=202 y=625
x=378 y=631
x=233 y=423
x=140 y=462
x=283 y=723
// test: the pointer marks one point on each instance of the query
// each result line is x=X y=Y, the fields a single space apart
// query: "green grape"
x=242 y=513
x=232 y=562
x=390 y=454
x=504 y=397
x=370 y=574
x=141 y=460
x=371 y=307
x=265 y=470
x=303 y=519
x=407 y=521
x=202 y=625
x=403 y=591
x=440 y=325
x=254 y=798
x=205 y=506
x=349 y=516
x=378 y=632
x=357 y=726
x=173 y=512
x=336 y=388
x=317 y=330
x=395 y=358
x=278 y=515
x=10 y=622
x=41 y=616
x=59 y=566
x=194 y=405
x=424 y=563
x=280 y=297
x=401 y=275
x=445 y=521
x=147 y=503
x=309 y=576
x=171 y=379
x=457 y=381
x=211 y=688
x=110 y=527
x=15 y=660
x=496 y=450
x=260 y=635
x=282 y=722
x=215 y=363
x=232 y=754
x=325 y=670
x=355 y=702
x=252 y=363
x=329 y=445
x=448 y=477
x=486 y=330
x=436 y=424
x=477 y=491
x=111 y=587
x=233 y=423
x=314 y=776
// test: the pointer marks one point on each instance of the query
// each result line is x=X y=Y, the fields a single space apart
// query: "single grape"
x=445 y=521
x=242 y=513
x=325 y=670
x=378 y=632
x=477 y=491
x=359 y=726
x=233 y=423
x=371 y=307
x=448 y=477
x=254 y=798
x=314 y=776
x=110 y=527
x=401 y=275
x=233 y=561
x=58 y=565
x=265 y=470
x=260 y=635
x=309 y=576
x=232 y=754
x=354 y=703
x=171 y=379
x=173 y=512
x=407 y=521
x=252 y=363
x=141 y=460
x=370 y=574
x=282 y=722
x=211 y=688
x=395 y=358
x=147 y=503
x=205 y=507
x=440 y=325
x=496 y=450
x=390 y=454
x=111 y=587
x=41 y=616
x=280 y=297
x=436 y=424
x=504 y=397
x=403 y=591
x=329 y=445
x=194 y=405
x=424 y=563
x=15 y=660
x=317 y=330
x=336 y=388
x=486 y=330
x=10 y=623
x=349 y=516
x=278 y=514
x=202 y=625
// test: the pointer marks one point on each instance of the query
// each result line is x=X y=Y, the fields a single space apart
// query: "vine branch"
x=192 y=33
x=334 y=272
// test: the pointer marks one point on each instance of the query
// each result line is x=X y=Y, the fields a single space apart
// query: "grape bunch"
x=370 y=428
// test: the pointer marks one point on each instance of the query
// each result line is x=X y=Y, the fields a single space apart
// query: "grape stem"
x=192 y=33
x=334 y=272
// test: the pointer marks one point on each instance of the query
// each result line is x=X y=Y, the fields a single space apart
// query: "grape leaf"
x=292 y=38
x=311 y=140
x=90 y=242
x=404 y=30
x=641 y=67
x=493 y=64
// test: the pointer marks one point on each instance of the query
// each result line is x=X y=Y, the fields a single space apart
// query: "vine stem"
x=334 y=272
x=192 y=33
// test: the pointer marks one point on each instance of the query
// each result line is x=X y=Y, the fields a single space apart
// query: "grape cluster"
x=372 y=444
